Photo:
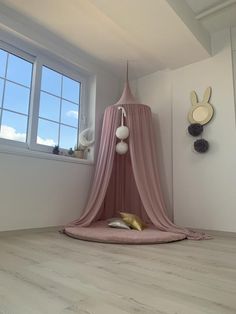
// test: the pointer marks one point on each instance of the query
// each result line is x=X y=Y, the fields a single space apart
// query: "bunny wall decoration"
x=201 y=111
x=200 y=114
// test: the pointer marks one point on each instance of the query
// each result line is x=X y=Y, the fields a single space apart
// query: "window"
x=58 y=110
x=15 y=89
x=40 y=101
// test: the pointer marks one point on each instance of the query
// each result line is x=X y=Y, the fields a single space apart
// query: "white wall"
x=155 y=91
x=40 y=192
x=203 y=185
x=233 y=37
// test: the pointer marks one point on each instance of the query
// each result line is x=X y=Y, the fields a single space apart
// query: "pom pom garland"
x=122 y=133
x=200 y=145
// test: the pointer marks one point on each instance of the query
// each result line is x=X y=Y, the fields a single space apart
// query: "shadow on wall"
x=161 y=163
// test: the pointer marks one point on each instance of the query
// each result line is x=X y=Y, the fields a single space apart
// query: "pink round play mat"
x=100 y=232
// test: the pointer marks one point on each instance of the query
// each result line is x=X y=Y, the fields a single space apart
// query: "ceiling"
x=199 y=6
x=163 y=34
x=214 y=14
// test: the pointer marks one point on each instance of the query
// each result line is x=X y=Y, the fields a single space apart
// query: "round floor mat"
x=100 y=232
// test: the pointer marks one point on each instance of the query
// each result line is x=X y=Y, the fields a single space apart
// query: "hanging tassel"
x=122 y=132
x=123 y=114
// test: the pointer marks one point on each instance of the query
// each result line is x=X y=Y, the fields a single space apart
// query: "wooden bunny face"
x=201 y=112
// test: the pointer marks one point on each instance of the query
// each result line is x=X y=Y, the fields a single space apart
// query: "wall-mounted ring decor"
x=201 y=111
x=199 y=115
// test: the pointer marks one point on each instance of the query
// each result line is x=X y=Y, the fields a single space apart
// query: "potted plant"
x=70 y=152
x=79 y=151
x=56 y=150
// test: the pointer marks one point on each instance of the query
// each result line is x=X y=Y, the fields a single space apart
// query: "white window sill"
x=8 y=150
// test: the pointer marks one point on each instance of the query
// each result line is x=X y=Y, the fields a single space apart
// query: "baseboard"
x=217 y=232
x=31 y=230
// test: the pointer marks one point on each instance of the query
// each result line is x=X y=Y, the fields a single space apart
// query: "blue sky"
x=59 y=103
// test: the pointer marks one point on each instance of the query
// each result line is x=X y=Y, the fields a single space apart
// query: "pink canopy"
x=129 y=182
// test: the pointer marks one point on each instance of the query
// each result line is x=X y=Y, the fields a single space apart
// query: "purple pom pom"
x=201 y=146
x=195 y=129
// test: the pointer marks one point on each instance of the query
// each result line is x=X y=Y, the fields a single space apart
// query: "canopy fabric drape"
x=129 y=182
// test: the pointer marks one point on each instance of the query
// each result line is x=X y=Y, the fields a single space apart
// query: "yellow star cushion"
x=133 y=221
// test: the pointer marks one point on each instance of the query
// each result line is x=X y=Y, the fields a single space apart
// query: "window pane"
x=16 y=98
x=3 y=60
x=70 y=89
x=69 y=113
x=14 y=126
x=51 y=81
x=19 y=70
x=1 y=91
x=49 y=107
x=47 y=133
x=68 y=137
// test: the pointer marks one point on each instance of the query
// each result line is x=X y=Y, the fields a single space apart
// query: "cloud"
x=48 y=141
x=72 y=114
x=11 y=134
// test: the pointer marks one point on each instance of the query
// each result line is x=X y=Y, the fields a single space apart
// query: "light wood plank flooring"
x=49 y=273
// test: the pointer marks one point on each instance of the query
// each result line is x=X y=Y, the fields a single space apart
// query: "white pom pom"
x=122 y=132
x=121 y=148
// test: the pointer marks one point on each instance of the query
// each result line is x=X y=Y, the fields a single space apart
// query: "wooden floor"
x=51 y=273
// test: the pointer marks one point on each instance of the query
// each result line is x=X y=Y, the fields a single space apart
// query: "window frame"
x=38 y=60
x=21 y=54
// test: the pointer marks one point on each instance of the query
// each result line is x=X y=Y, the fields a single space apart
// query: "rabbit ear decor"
x=201 y=111
x=200 y=114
